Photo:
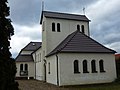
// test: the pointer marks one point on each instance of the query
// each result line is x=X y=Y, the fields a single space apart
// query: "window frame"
x=21 y=66
x=82 y=29
x=93 y=66
x=49 y=68
x=101 y=66
x=26 y=67
x=53 y=27
x=76 y=66
x=58 y=27
x=85 y=66
x=78 y=27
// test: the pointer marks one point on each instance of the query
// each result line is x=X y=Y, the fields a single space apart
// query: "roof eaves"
x=36 y=50
x=48 y=15
x=112 y=51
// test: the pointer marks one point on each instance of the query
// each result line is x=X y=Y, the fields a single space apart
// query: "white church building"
x=68 y=55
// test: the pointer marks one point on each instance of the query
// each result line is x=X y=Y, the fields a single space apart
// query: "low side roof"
x=24 y=58
x=32 y=46
x=59 y=15
x=78 y=42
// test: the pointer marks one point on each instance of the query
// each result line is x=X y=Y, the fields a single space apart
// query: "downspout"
x=35 y=65
x=57 y=70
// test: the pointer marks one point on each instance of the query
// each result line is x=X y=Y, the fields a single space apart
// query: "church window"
x=58 y=27
x=101 y=65
x=76 y=66
x=78 y=27
x=26 y=67
x=83 y=29
x=49 y=68
x=85 y=66
x=53 y=27
x=21 y=67
x=93 y=66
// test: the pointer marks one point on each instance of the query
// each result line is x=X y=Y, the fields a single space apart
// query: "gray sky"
x=104 y=16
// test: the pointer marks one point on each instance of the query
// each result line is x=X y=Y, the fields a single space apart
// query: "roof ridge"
x=64 y=13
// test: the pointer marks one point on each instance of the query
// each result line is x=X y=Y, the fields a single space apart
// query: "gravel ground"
x=39 y=85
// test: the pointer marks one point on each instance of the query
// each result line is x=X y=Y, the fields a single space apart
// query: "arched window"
x=93 y=66
x=53 y=27
x=26 y=67
x=101 y=65
x=85 y=66
x=49 y=68
x=21 y=67
x=58 y=27
x=78 y=27
x=76 y=66
x=82 y=28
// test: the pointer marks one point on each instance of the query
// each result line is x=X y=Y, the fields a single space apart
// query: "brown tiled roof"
x=78 y=42
x=32 y=46
x=67 y=16
x=24 y=58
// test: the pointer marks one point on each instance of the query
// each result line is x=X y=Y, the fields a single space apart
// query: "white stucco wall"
x=31 y=67
x=66 y=26
x=52 y=77
x=51 y=39
x=39 y=64
x=67 y=76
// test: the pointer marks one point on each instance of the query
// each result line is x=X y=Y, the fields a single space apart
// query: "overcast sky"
x=104 y=16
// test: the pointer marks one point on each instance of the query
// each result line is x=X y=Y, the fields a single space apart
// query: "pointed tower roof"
x=77 y=42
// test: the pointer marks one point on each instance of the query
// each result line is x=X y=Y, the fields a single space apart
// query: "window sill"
x=85 y=72
x=95 y=72
x=102 y=71
x=76 y=72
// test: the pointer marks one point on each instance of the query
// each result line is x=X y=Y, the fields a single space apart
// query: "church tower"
x=57 y=26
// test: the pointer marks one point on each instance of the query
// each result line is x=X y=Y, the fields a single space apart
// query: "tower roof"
x=67 y=16
x=78 y=42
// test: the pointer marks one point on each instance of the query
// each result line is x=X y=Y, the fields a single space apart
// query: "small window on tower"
x=83 y=29
x=58 y=27
x=53 y=27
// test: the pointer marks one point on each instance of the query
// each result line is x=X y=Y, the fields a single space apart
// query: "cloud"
x=105 y=26
x=25 y=11
x=28 y=11
x=24 y=35
x=104 y=16
x=67 y=5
